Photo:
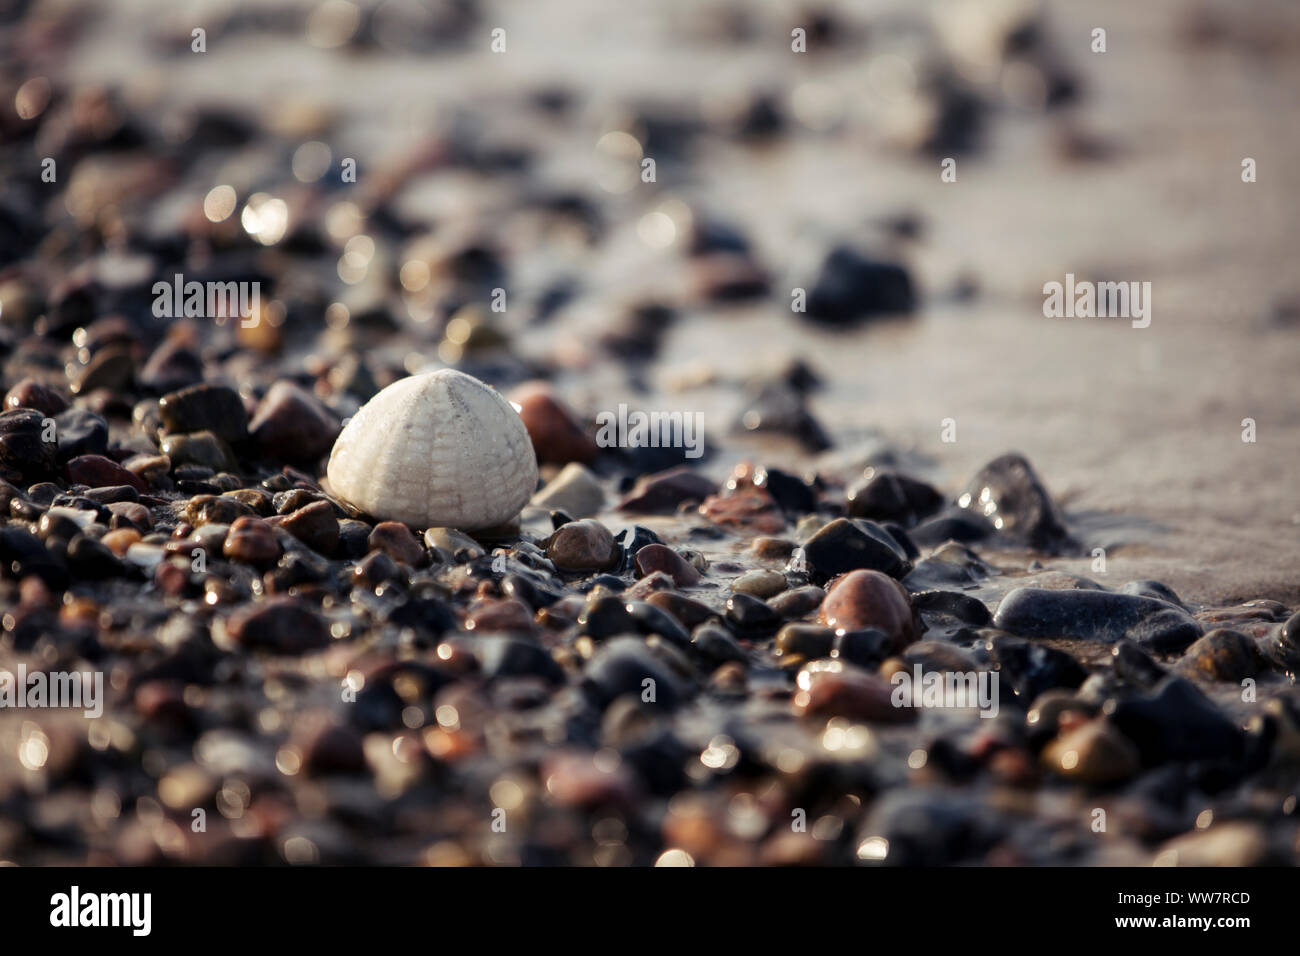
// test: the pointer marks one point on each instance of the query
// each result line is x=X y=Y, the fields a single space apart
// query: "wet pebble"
x=315 y=525
x=291 y=424
x=32 y=394
x=205 y=408
x=1222 y=655
x=865 y=599
x=660 y=557
x=889 y=496
x=1008 y=492
x=1087 y=614
x=584 y=545
x=847 y=545
x=841 y=690
x=1095 y=753
x=557 y=436
x=665 y=492
x=396 y=540
x=279 y=625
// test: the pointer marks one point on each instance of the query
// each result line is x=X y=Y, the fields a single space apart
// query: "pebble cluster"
x=651 y=662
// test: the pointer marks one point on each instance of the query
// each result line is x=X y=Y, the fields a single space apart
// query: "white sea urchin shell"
x=439 y=449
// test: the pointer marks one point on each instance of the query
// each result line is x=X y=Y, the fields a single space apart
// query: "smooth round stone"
x=280 y=625
x=503 y=616
x=377 y=568
x=772 y=549
x=839 y=690
x=749 y=616
x=557 y=437
x=215 y=509
x=148 y=468
x=689 y=612
x=81 y=432
x=1177 y=722
x=606 y=615
x=866 y=649
x=760 y=584
x=797 y=602
x=584 y=545
x=1223 y=655
x=660 y=557
x=325 y=746
x=963 y=607
x=90 y=558
x=252 y=541
x=1290 y=634
x=119 y=540
x=749 y=509
x=575 y=491
x=205 y=408
x=1084 y=613
x=623 y=665
x=200 y=448
x=664 y=492
x=808 y=641
x=315 y=526
x=291 y=424
x=24 y=453
x=30 y=393
x=1095 y=753
x=96 y=471
x=396 y=540
x=255 y=498
x=716 y=643
x=1135 y=666
x=863 y=599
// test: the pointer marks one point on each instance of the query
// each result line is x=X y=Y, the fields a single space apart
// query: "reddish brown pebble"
x=252 y=541
x=291 y=424
x=506 y=615
x=864 y=598
x=662 y=493
x=749 y=508
x=846 y=691
x=315 y=525
x=660 y=557
x=30 y=393
x=282 y=625
x=557 y=436
x=583 y=546
x=96 y=471
x=396 y=540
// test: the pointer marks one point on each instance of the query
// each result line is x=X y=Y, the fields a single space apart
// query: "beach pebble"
x=863 y=599
x=1095 y=753
x=252 y=541
x=557 y=437
x=200 y=448
x=98 y=471
x=889 y=496
x=1029 y=669
x=760 y=584
x=396 y=540
x=850 y=286
x=279 y=625
x=1176 y=722
x=575 y=491
x=291 y=424
x=1008 y=492
x=315 y=525
x=32 y=394
x=747 y=509
x=624 y=665
x=847 y=545
x=584 y=545
x=25 y=455
x=841 y=690
x=1223 y=655
x=1082 y=613
x=205 y=408
x=660 y=557
x=666 y=491
x=81 y=432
